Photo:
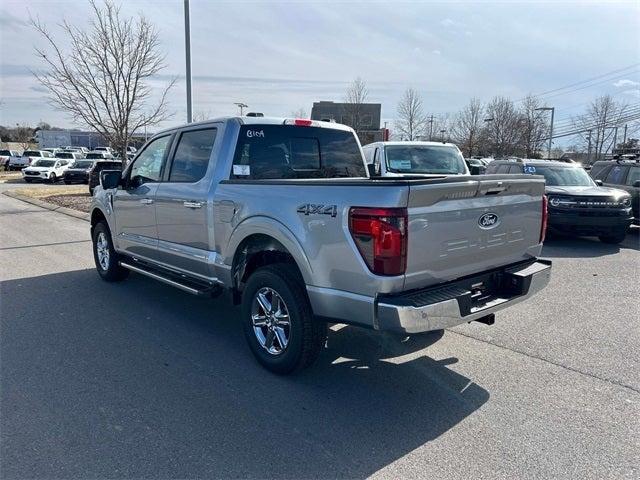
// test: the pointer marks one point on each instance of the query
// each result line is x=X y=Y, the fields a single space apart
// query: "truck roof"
x=414 y=142
x=262 y=121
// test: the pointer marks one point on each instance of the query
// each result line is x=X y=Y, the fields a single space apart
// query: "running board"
x=192 y=289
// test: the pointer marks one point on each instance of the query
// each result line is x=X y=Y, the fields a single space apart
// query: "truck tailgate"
x=468 y=225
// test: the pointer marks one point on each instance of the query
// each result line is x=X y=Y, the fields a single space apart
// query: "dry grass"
x=42 y=193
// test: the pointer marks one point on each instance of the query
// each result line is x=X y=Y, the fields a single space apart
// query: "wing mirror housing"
x=110 y=179
x=636 y=184
x=599 y=183
x=372 y=170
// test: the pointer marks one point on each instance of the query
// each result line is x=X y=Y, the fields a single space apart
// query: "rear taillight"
x=381 y=237
x=545 y=218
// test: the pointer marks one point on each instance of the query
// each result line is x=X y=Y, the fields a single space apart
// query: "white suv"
x=48 y=169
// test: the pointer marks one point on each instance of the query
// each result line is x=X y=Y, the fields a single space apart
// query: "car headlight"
x=626 y=202
x=554 y=201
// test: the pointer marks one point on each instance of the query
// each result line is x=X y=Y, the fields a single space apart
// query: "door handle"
x=192 y=204
x=146 y=201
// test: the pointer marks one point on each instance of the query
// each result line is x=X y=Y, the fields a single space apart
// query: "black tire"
x=111 y=271
x=614 y=238
x=91 y=191
x=307 y=335
x=28 y=180
x=53 y=178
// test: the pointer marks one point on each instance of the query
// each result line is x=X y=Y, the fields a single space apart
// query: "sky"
x=279 y=57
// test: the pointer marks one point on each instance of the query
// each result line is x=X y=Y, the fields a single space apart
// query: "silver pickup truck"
x=282 y=215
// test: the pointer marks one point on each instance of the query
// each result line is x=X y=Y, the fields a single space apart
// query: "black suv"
x=577 y=205
x=623 y=174
x=99 y=166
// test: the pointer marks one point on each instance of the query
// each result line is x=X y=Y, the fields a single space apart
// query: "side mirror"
x=110 y=179
x=372 y=170
x=636 y=184
x=599 y=183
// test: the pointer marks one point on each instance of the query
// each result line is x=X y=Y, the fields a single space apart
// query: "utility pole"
x=187 y=47
x=589 y=148
x=553 y=111
x=624 y=139
x=241 y=106
x=615 y=139
x=431 y=127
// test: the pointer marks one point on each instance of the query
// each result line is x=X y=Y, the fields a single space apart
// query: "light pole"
x=553 y=111
x=241 y=106
x=187 y=47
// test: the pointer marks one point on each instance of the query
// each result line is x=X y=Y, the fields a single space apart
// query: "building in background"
x=78 y=138
x=368 y=128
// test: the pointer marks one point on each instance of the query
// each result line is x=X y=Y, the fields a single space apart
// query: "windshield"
x=95 y=155
x=563 y=176
x=31 y=153
x=5 y=152
x=64 y=155
x=424 y=159
x=82 y=164
x=44 y=163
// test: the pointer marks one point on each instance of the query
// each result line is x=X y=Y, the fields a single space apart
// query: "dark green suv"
x=577 y=204
x=622 y=174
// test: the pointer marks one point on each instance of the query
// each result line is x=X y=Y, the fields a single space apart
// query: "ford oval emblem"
x=489 y=220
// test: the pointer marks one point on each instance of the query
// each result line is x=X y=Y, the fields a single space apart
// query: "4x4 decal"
x=312 y=209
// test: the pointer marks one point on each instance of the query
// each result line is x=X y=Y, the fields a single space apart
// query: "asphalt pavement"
x=139 y=380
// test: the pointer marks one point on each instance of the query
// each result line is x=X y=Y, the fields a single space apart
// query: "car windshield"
x=424 y=159
x=82 y=164
x=5 y=152
x=64 y=155
x=44 y=163
x=563 y=176
x=95 y=155
x=31 y=153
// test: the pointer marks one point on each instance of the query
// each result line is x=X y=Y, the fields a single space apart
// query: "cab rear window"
x=296 y=152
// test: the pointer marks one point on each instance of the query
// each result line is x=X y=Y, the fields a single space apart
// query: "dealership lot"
x=137 y=379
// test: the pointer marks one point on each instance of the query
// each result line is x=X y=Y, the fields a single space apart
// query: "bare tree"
x=356 y=95
x=533 y=127
x=502 y=126
x=411 y=120
x=23 y=135
x=299 y=113
x=600 y=119
x=468 y=127
x=103 y=78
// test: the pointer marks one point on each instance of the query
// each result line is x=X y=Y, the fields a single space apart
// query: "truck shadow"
x=137 y=379
x=558 y=246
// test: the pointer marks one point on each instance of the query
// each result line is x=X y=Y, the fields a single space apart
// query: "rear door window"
x=191 y=159
x=634 y=175
x=617 y=174
x=503 y=169
x=599 y=171
x=515 y=169
x=295 y=152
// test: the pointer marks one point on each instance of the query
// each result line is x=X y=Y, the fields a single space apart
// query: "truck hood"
x=590 y=191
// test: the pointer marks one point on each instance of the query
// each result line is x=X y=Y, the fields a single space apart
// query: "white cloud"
x=626 y=83
x=436 y=52
x=449 y=23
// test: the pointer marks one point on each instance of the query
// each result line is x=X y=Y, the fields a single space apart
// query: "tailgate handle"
x=495 y=191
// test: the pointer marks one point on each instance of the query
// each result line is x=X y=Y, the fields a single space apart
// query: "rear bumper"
x=463 y=300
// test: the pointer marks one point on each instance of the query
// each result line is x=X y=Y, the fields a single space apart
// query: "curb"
x=48 y=206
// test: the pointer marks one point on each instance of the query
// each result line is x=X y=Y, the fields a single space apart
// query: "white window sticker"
x=401 y=164
x=255 y=133
x=244 y=170
x=530 y=169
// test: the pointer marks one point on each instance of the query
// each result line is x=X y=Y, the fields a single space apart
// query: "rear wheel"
x=613 y=238
x=278 y=321
x=105 y=256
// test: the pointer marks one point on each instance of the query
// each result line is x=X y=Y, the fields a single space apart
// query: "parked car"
x=72 y=156
x=78 y=171
x=283 y=215
x=402 y=159
x=46 y=169
x=98 y=155
x=476 y=166
x=108 y=150
x=27 y=158
x=577 y=205
x=622 y=174
x=52 y=150
x=5 y=157
x=100 y=165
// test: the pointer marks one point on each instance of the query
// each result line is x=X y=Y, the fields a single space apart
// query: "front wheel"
x=28 y=180
x=614 y=238
x=105 y=256
x=278 y=321
x=52 y=178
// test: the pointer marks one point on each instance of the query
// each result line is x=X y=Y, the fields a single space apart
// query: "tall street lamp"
x=553 y=111
x=241 y=106
x=187 y=47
